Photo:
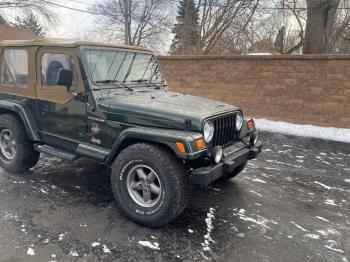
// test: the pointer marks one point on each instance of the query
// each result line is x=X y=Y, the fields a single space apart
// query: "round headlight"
x=208 y=131
x=239 y=121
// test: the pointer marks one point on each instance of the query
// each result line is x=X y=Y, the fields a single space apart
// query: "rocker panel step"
x=54 y=151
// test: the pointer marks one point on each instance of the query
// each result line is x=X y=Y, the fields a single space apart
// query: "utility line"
x=79 y=2
x=71 y=8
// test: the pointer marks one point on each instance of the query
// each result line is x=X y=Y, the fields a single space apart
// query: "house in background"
x=15 y=33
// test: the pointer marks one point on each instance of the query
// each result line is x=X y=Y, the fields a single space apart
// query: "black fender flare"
x=26 y=117
x=164 y=137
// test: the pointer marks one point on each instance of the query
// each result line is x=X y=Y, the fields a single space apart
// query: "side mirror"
x=65 y=78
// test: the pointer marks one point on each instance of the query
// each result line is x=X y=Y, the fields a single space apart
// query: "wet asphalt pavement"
x=291 y=204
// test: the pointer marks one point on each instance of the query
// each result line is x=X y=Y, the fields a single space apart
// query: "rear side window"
x=15 y=68
x=51 y=63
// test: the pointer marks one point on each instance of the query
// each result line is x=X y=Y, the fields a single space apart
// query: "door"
x=61 y=112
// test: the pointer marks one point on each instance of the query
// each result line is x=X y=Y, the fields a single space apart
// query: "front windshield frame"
x=130 y=53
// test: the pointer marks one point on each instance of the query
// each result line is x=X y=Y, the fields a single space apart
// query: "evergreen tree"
x=32 y=23
x=186 y=29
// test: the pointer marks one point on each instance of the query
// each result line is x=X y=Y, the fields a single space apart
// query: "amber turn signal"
x=181 y=147
x=200 y=144
x=250 y=124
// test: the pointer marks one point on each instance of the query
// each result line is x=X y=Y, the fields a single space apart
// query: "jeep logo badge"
x=96 y=141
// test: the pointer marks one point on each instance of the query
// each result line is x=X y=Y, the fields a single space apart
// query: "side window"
x=15 y=68
x=51 y=63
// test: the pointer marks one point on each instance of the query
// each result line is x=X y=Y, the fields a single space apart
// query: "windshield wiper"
x=108 y=81
x=146 y=80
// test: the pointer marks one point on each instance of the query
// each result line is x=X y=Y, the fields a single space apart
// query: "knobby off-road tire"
x=17 y=153
x=235 y=173
x=162 y=172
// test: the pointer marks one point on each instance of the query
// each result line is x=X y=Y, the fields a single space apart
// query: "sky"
x=71 y=23
x=84 y=26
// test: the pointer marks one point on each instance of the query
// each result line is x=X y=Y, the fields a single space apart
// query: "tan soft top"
x=64 y=43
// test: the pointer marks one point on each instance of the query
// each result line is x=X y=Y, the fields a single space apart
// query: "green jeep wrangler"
x=111 y=103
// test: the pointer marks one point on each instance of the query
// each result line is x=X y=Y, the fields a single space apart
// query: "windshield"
x=108 y=65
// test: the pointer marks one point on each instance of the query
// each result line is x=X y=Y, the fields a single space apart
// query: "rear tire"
x=17 y=153
x=235 y=173
x=150 y=184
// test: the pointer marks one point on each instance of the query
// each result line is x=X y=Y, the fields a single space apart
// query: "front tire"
x=150 y=185
x=17 y=153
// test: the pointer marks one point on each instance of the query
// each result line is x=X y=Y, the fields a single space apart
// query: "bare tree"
x=28 y=7
x=321 y=17
x=136 y=21
x=217 y=17
x=340 y=38
x=297 y=15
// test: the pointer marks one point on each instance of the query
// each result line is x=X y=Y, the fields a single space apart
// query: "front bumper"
x=206 y=175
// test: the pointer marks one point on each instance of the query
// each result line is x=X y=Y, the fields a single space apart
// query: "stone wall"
x=297 y=89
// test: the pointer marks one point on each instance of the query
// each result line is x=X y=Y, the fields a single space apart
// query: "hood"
x=161 y=109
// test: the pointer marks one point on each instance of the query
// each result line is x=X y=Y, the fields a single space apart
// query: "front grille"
x=224 y=130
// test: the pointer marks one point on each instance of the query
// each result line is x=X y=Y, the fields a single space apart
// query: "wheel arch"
x=164 y=138
x=131 y=140
x=25 y=116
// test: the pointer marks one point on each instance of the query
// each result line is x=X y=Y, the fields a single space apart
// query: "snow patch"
x=190 y=231
x=329 y=231
x=43 y=191
x=282 y=163
x=6 y=216
x=260 y=221
x=73 y=253
x=300 y=227
x=259 y=180
x=255 y=193
x=106 y=249
x=328 y=133
x=95 y=244
x=330 y=202
x=210 y=227
x=60 y=237
x=334 y=249
x=323 y=185
x=270 y=168
x=30 y=251
x=347 y=180
x=148 y=244
x=322 y=218
x=313 y=236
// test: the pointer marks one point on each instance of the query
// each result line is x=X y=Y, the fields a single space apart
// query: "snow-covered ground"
x=328 y=133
